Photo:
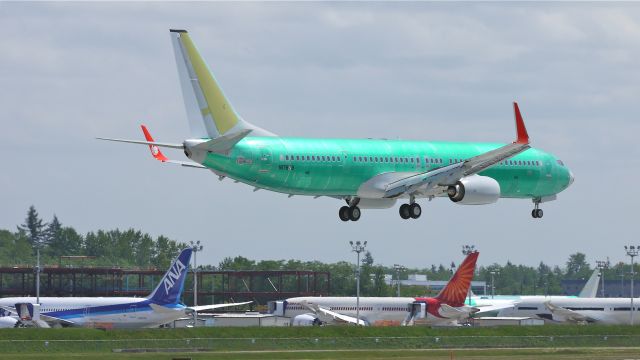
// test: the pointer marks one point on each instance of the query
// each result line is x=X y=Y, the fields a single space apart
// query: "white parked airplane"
x=501 y=302
x=445 y=309
x=612 y=311
x=160 y=307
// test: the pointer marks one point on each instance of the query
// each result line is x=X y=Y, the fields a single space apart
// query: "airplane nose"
x=571 y=178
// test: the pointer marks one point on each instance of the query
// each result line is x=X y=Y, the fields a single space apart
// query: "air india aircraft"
x=365 y=173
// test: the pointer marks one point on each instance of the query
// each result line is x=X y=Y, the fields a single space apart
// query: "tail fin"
x=590 y=289
x=209 y=112
x=456 y=290
x=155 y=151
x=171 y=285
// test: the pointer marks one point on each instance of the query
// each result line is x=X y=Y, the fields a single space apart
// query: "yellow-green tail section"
x=209 y=112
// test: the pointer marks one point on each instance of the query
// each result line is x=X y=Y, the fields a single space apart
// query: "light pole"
x=493 y=282
x=358 y=247
x=466 y=250
x=632 y=251
x=195 y=246
x=602 y=265
x=38 y=276
x=398 y=268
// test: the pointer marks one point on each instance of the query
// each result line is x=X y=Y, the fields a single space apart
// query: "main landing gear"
x=410 y=211
x=347 y=213
x=350 y=212
x=536 y=213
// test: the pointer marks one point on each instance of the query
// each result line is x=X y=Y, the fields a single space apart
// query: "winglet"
x=521 y=130
x=155 y=151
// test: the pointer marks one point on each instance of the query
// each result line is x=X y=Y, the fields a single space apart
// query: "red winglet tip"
x=521 y=130
x=155 y=151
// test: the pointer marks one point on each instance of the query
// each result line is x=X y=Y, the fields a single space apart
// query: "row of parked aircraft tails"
x=450 y=307
x=364 y=173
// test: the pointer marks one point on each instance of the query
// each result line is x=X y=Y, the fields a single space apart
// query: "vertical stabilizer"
x=590 y=289
x=209 y=112
x=171 y=285
x=456 y=291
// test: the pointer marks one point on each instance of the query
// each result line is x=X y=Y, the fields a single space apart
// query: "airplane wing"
x=482 y=310
x=54 y=320
x=451 y=312
x=563 y=314
x=342 y=317
x=449 y=175
x=332 y=314
x=216 y=306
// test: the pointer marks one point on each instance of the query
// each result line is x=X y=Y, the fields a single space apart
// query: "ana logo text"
x=173 y=275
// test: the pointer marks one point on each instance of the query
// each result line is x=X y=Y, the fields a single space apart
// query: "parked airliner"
x=365 y=173
x=612 y=311
x=446 y=309
x=509 y=304
x=160 y=307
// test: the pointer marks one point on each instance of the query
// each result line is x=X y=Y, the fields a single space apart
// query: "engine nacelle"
x=8 y=322
x=305 y=320
x=474 y=190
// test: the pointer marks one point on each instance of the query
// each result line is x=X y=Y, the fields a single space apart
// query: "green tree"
x=34 y=228
x=577 y=266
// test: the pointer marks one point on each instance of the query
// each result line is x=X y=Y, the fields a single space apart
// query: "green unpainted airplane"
x=366 y=173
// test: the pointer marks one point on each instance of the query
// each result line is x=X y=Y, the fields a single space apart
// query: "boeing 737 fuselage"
x=366 y=173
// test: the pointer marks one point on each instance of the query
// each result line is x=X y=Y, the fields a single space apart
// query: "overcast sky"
x=429 y=71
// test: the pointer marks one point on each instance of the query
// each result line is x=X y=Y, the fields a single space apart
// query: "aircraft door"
x=419 y=310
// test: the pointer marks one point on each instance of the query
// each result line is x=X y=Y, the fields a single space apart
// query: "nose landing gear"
x=536 y=213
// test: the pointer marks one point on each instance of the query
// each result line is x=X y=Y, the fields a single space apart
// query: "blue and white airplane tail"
x=169 y=290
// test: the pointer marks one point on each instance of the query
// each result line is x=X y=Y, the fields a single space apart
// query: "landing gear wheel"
x=405 y=212
x=533 y=214
x=354 y=213
x=539 y=213
x=415 y=210
x=344 y=213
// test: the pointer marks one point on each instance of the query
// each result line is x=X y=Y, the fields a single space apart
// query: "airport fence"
x=320 y=343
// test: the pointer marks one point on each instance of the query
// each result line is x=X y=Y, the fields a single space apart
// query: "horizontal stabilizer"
x=167 y=145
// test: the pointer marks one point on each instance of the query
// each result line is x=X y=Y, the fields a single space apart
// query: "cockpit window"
x=560 y=162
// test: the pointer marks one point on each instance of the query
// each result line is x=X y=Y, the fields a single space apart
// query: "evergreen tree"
x=34 y=228
x=53 y=236
x=577 y=265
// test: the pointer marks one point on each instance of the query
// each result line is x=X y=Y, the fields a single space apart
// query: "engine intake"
x=474 y=190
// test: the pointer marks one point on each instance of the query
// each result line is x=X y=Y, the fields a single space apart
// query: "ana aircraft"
x=446 y=309
x=366 y=173
x=160 y=307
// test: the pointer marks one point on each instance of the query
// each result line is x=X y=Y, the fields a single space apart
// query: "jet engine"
x=8 y=322
x=305 y=320
x=474 y=190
